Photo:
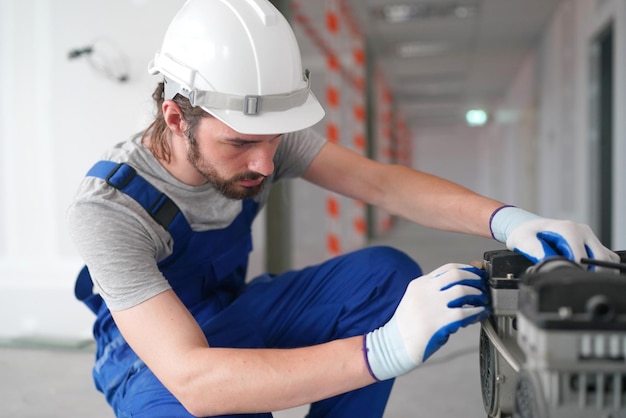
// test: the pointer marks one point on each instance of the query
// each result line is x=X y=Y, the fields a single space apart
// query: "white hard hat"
x=239 y=61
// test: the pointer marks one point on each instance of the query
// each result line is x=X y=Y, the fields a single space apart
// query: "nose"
x=262 y=159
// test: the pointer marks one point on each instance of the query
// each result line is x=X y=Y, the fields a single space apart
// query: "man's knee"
x=393 y=260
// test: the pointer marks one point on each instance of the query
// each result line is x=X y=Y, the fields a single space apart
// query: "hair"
x=159 y=132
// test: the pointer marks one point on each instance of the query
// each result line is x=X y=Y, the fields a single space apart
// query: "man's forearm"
x=227 y=380
x=435 y=202
x=417 y=196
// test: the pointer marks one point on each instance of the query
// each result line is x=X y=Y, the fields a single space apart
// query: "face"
x=236 y=165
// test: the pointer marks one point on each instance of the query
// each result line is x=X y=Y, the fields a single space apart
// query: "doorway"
x=601 y=133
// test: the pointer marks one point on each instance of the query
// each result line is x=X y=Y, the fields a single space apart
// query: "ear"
x=173 y=117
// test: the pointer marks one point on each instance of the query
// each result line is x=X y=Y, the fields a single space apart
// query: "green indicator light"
x=476 y=117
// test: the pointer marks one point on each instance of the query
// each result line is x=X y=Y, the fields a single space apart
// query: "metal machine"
x=555 y=344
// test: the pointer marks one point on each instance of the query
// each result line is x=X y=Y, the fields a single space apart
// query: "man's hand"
x=538 y=238
x=433 y=307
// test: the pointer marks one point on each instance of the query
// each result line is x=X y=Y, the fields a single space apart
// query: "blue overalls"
x=346 y=296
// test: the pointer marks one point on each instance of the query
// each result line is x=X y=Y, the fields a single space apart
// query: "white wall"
x=56 y=117
x=496 y=160
x=619 y=156
x=535 y=151
x=563 y=130
x=564 y=158
x=455 y=153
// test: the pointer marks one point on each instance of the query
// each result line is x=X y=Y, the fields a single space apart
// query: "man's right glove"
x=538 y=238
x=433 y=307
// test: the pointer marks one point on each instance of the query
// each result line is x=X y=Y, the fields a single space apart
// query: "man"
x=163 y=223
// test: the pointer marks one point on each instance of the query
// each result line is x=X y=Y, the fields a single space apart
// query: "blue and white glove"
x=433 y=307
x=538 y=238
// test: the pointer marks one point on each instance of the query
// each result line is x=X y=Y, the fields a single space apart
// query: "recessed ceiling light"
x=420 y=49
x=463 y=12
x=403 y=12
x=398 y=12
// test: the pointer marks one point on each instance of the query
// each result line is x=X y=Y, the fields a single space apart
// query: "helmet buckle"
x=251 y=105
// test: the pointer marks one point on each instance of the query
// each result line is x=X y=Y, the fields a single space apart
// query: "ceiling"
x=461 y=54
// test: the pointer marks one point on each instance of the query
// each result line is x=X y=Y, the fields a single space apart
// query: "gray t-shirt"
x=121 y=243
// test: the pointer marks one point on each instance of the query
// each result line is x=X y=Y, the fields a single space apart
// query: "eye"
x=239 y=144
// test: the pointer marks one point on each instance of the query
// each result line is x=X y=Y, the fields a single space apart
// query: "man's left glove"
x=538 y=238
x=433 y=307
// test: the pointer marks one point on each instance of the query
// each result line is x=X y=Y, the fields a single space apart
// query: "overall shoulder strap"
x=162 y=209
x=125 y=178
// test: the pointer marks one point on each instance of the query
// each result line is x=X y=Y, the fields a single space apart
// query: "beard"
x=229 y=188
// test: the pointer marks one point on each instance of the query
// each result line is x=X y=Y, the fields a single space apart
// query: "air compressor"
x=555 y=343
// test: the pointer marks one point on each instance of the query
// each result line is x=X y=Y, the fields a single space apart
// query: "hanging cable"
x=106 y=58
